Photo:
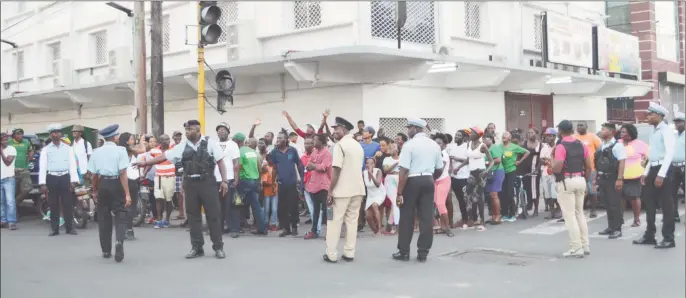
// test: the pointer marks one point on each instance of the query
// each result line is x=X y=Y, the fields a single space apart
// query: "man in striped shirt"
x=165 y=182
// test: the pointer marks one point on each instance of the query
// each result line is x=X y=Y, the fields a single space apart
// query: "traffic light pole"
x=140 y=88
x=201 y=77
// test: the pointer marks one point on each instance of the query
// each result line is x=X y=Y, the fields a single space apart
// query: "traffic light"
x=225 y=86
x=209 y=16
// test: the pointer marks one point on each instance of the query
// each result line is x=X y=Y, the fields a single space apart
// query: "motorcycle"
x=144 y=202
x=82 y=209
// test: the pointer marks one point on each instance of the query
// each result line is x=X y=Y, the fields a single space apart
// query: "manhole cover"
x=496 y=256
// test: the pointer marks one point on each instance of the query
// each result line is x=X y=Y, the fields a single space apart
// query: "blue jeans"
x=8 y=202
x=271 y=203
x=308 y=200
x=249 y=190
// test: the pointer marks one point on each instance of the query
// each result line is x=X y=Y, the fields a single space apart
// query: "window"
x=307 y=14
x=99 y=46
x=667 y=40
x=229 y=15
x=472 y=19
x=393 y=126
x=19 y=63
x=618 y=16
x=419 y=27
x=538 y=32
x=165 y=34
x=54 y=56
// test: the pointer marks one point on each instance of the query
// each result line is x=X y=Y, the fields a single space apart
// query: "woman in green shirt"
x=494 y=183
x=510 y=160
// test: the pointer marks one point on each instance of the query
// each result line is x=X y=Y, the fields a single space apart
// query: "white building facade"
x=460 y=64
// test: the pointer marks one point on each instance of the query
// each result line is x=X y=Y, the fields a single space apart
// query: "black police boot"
x=401 y=256
x=645 y=240
x=119 y=251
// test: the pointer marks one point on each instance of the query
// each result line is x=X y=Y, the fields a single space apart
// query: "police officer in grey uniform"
x=658 y=180
x=199 y=155
x=420 y=164
x=107 y=166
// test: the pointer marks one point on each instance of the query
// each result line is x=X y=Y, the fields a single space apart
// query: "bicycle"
x=521 y=199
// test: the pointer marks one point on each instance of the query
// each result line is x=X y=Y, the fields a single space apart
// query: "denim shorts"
x=589 y=185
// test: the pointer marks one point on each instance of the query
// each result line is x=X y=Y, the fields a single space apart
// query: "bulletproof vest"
x=198 y=162
x=574 y=161
x=606 y=162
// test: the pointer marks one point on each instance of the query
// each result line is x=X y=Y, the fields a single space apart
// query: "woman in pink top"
x=636 y=153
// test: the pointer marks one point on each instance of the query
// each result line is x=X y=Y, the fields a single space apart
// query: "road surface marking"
x=553 y=227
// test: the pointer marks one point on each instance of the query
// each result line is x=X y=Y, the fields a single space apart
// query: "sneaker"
x=574 y=253
x=158 y=225
x=164 y=224
x=47 y=216
x=61 y=221
x=310 y=235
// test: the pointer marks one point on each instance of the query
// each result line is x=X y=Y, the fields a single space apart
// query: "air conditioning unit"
x=120 y=63
x=443 y=49
x=536 y=63
x=63 y=74
x=497 y=58
x=241 y=41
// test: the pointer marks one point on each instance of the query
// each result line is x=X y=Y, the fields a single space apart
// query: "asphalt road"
x=518 y=259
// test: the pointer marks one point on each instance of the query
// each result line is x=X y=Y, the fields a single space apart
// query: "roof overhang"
x=353 y=64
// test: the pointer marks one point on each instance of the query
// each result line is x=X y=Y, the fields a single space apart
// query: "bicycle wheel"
x=521 y=201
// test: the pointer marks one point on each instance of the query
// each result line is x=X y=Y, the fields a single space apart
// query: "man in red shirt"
x=317 y=185
x=305 y=159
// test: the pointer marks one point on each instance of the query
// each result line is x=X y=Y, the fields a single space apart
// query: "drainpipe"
x=16 y=53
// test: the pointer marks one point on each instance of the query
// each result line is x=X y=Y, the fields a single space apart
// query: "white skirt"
x=375 y=195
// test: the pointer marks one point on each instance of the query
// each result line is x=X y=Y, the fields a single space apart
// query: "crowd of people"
x=361 y=177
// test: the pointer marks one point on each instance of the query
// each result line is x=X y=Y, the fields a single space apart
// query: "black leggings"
x=458 y=188
x=507 y=194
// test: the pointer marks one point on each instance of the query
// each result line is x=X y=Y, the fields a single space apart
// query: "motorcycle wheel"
x=80 y=217
x=141 y=211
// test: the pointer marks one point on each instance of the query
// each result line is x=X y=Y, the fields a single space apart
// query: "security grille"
x=229 y=15
x=393 y=126
x=19 y=62
x=472 y=19
x=419 y=27
x=165 y=34
x=307 y=14
x=538 y=32
x=100 y=47
x=55 y=51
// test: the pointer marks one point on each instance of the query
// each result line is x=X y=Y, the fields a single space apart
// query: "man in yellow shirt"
x=593 y=143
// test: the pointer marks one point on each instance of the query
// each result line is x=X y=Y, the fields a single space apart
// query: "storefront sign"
x=618 y=52
x=570 y=41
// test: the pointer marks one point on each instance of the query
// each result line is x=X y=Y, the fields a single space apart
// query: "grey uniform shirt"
x=421 y=155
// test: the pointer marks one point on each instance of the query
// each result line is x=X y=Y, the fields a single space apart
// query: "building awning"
x=340 y=65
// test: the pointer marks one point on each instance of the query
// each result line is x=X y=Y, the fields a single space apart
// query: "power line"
x=26 y=18
x=44 y=18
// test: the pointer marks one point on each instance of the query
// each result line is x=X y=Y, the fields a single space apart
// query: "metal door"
x=525 y=111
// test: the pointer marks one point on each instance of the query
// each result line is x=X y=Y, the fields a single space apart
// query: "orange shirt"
x=269 y=186
x=165 y=168
x=592 y=142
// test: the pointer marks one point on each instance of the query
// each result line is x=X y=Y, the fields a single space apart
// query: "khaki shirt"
x=348 y=156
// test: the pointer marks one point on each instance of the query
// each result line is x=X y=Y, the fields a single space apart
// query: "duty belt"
x=58 y=173
x=420 y=174
x=109 y=177
x=679 y=163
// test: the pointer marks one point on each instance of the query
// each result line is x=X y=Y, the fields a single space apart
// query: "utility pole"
x=140 y=90
x=201 y=73
x=157 y=69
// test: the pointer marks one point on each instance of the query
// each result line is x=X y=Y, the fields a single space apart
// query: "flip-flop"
x=480 y=228
x=636 y=224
